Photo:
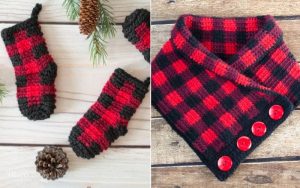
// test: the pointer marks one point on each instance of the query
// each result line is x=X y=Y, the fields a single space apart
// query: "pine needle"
x=104 y=30
x=72 y=7
x=98 y=48
x=3 y=92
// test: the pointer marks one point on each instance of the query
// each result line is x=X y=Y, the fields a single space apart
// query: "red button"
x=259 y=128
x=244 y=143
x=276 y=112
x=225 y=163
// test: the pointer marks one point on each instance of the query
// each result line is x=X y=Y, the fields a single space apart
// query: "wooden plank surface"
x=53 y=11
x=271 y=174
x=171 y=9
x=18 y=130
x=114 y=168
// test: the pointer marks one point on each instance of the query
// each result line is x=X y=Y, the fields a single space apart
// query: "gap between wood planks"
x=68 y=146
x=258 y=160
x=163 y=22
x=49 y=23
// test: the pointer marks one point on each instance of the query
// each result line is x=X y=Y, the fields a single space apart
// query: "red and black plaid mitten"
x=35 y=69
x=136 y=29
x=107 y=118
x=224 y=85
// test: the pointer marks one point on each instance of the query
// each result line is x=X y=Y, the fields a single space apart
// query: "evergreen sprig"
x=3 y=92
x=72 y=7
x=105 y=28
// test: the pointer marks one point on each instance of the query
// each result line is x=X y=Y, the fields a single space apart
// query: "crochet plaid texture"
x=136 y=29
x=216 y=79
x=34 y=67
x=108 y=117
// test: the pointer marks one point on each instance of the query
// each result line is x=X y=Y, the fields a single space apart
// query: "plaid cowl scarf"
x=224 y=85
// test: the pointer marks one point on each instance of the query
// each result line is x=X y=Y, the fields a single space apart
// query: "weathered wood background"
x=276 y=163
x=78 y=85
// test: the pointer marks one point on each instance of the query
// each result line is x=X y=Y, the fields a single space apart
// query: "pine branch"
x=104 y=30
x=98 y=48
x=3 y=92
x=72 y=8
x=107 y=24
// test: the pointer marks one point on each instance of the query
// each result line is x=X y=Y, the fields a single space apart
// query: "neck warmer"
x=224 y=85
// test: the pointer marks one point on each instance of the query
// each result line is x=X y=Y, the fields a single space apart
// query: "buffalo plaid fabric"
x=108 y=117
x=136 y=29
x=224 y=85
x=34 y=67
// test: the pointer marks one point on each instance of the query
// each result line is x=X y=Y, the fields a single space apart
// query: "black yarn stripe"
x=38 y=112
x=91 y=116
x=113 y=134
x=132 y=21
x=49 y=74
x=127 y=112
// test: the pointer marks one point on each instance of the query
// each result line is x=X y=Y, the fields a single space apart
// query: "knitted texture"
x=224 y=85
x=136 y=29
x=107 y=118
x=34 y=67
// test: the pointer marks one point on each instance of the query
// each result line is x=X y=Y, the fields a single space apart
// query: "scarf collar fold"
x=267 y=35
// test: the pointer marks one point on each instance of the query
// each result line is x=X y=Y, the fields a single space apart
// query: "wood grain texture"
x=272 y=174
x=53 y=11
x=115 y=167
x=170 y=148
x=78 y=85
x=171 y=9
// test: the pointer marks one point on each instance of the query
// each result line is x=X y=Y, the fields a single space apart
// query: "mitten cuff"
x=136 y=29
x=121 y=77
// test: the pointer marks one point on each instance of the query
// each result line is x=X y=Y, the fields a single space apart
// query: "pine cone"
x=89 y=16
x=51 y=162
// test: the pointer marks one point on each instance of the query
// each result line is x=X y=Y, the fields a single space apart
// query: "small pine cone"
x=51 y=162
x=89 y=16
